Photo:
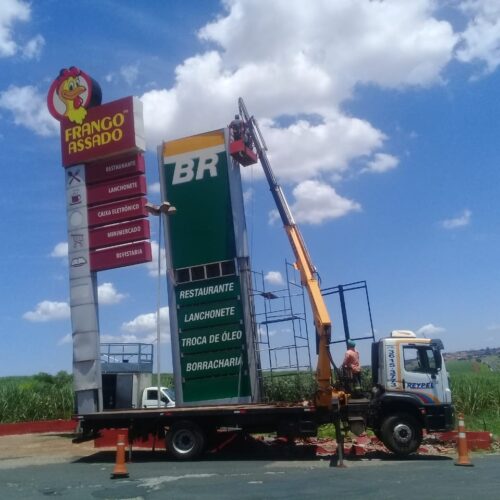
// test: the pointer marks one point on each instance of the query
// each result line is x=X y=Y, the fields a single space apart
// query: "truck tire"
x=185 y=440
x=401 y=433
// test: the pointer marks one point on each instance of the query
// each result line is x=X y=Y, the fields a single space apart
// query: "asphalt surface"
x=289 y=475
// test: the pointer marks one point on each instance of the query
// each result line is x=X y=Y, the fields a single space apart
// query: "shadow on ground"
x=244 y=447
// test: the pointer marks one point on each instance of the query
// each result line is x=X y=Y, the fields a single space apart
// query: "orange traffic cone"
x=120 y=469
x=463 y=449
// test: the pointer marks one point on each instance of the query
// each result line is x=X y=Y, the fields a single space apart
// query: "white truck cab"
x=410 y=390
x=150 y=397
x=414 y=365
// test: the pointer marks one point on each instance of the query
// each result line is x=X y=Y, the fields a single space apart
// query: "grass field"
x=475 y=388
x=39 y=397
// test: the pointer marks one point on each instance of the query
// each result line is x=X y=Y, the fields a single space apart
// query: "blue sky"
x=381 y=121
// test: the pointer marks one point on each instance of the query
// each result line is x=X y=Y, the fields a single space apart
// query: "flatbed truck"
x=410 y=390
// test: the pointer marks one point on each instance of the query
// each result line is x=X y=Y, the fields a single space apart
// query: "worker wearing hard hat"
x=351 y=366
x=237 y=128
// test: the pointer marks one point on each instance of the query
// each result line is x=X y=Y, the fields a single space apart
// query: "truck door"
x=420 y=372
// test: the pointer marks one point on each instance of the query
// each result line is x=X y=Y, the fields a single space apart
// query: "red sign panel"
x=116 y=190
x=113 y=168
x=118 y=234
x=124 y=255
x=101 y=215
x=107 y=130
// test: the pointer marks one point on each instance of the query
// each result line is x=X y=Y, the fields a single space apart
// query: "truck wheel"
x=401 y=433
x=185 y=440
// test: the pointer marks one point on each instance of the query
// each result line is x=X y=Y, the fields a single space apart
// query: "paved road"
x=236 y=477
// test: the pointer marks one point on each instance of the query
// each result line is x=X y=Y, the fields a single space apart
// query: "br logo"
x=195 y=168
x=71 y=94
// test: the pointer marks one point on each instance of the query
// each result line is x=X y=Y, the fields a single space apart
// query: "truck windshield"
x=169 y=393
x=419 y=359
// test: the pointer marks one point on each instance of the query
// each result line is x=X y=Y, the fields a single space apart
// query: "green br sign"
x=198 y=187
x=208 y=311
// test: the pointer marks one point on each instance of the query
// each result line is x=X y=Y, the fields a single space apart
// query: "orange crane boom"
x=303 y=263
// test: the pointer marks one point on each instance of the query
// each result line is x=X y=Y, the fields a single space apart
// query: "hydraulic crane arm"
x=304 y=263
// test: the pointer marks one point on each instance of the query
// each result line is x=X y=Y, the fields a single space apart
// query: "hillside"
x=478 y=360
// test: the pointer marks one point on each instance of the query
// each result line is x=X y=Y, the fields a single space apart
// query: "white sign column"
x=83 y=297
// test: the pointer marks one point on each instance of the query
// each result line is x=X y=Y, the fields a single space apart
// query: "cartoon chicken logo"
x=71 y=94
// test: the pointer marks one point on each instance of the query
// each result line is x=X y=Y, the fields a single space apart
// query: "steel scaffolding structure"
x=281 y=325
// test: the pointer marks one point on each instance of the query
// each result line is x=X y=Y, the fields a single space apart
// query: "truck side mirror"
x=437 y=347
x=438 y=359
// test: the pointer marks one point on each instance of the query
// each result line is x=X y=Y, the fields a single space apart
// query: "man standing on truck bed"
x=351 y=366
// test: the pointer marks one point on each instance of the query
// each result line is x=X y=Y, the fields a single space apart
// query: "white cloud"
x=48 y=311
x=381 y=163
x=130 y=73
x=390 y=43
x=34 y=47
x=304 y=150
x=430 y=329
x=144 y=323
x=481 y=39
x=67 y=339
x=302 y=60
x=108 y=295
x=52 y=310
x=316 y=202
x=154 y=188
x=152 y=266
x=493 y=327
x=143 y=327
x=11 y=11
x=248 y=195
x=274 y=278
x=459 y=221
x=60 y=250
x=29 y=108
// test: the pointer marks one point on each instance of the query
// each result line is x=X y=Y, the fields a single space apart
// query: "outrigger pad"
x=242 y=154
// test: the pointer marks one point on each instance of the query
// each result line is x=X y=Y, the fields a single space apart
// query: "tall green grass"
x=475 y=390
x=41 y=397
x=289 y=386
x=477 y=396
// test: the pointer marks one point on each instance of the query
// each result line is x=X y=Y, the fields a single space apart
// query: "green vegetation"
x=475 y=388
x=477 y=396
x=40 y=397
x=456 y=367
x=289 y=386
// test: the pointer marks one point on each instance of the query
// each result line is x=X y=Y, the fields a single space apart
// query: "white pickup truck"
x=150 y=398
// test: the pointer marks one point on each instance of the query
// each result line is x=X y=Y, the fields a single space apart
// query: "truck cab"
x=150 y=398
x=410 y=390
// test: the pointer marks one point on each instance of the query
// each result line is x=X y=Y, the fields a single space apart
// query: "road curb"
x=37 y=427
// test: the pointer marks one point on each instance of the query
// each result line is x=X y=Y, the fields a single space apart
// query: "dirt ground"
x=33 y=449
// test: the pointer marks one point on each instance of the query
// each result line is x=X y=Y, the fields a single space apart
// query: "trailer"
x=189 y=431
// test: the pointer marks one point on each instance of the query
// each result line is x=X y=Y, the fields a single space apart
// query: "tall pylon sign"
x=208 y=273
x=102 y=153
